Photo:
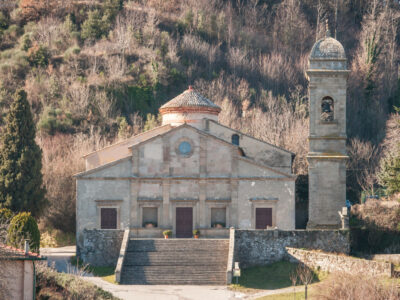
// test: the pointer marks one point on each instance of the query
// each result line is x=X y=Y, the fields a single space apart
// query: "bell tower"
x=327 y=74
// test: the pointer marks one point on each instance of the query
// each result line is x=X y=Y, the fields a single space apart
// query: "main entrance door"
x=263 y=218
x=184 y=222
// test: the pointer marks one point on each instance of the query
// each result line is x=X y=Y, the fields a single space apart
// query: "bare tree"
x=305 y=274
x=294 y=278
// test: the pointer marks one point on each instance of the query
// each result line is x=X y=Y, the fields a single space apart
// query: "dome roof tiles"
x=189 y=98
x=328 y=48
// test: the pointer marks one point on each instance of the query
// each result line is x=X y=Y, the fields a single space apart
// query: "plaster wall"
x=17 y=279
x=277 y=194
x=219 y=160
x=94 y=194
x=121 y=149
x=184 y=165
x=249 y=169
x=194 y=119
x=260 y=151
x=184 y=189
x=151 y=158
x=218 y=190
x=120 y=169
x=327 y=192
x=150 y=190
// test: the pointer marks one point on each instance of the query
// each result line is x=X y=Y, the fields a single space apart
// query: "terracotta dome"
x=188 y=107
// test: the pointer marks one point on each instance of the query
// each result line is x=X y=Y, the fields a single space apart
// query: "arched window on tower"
x=327 y=109
x=235 y=139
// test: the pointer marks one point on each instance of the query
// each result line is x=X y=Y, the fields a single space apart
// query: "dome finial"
x=328 y=32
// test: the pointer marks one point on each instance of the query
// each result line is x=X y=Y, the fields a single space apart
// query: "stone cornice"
x=197 y=109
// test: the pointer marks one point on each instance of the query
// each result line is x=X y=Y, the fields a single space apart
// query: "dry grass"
x=343 y=286
x=384 y=215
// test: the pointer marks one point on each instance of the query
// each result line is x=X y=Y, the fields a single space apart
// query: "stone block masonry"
x=99 y=247
x=330 y=262
x=261 y=247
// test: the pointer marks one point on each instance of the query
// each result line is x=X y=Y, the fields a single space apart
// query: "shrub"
x=167 y=232
x=196 y=232
x=54 y=285
x=5 y=215
x=3 y=21
x=23 y=226
x=26 y=42
x=94 y=27
x=55 y=120
x=38 y=56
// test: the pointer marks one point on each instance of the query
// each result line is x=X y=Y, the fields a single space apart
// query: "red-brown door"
x=108 y=218
x=263 y=218
x=184 y=222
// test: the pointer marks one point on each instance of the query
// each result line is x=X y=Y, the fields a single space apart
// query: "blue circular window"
x=185 y=148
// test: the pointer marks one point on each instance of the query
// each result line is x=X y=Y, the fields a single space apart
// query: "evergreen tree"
x=21 y=180
x=389 y=175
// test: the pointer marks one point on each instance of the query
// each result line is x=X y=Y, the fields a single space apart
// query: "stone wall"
x=261 y=247
x=99 y=247
x=330 y=262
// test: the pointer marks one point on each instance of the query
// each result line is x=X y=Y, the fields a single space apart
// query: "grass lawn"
x=270 y=277
x=105 y=273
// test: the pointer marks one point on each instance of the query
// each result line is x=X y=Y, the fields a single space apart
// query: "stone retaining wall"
x=99 y=247
x=330 y=262
x=261 y=247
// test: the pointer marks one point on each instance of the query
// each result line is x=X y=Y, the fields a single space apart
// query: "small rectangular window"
x=150 y=216
x=218 y=217
x=108 y=218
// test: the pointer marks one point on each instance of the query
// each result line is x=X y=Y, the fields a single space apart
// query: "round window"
x=185 y=148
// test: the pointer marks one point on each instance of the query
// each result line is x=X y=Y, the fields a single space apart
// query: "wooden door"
x=108 y=218
x=184 y=222
x=263 y=218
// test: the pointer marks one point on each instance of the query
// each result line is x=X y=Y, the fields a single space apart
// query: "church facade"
x=190 y=173
x=195 y=173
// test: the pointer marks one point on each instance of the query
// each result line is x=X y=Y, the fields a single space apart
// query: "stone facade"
x=261 y=247
x=327 y=74
x=340 y=263
x=224 y=177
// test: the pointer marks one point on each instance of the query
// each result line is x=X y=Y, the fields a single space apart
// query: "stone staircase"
x=176 y=261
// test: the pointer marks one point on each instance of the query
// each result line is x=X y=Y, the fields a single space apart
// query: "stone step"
x=169 y=270
x=176 y=261
x=174 y=258
x=136 y=276
x=177 y=244
x=175 y=281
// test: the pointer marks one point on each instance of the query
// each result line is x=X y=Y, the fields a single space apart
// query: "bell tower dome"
x=327 y=74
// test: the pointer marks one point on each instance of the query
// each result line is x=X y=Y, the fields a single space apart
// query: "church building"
x=194 y=173
x=190 y=173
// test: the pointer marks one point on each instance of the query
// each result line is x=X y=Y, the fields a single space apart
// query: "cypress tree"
x=21 y=180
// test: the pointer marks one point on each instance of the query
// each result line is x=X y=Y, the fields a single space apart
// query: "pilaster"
x=166 y=220
x=202 y=206
x=234 y=184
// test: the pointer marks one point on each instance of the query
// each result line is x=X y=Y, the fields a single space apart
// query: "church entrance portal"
x=263 y=218
x=184 y=222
